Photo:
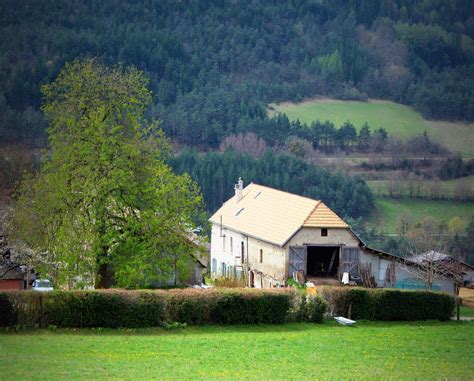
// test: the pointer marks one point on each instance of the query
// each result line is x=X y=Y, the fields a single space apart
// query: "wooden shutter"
x=350 y=261
x=297 y=259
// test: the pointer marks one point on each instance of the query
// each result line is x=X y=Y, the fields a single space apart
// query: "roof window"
x=240 y=211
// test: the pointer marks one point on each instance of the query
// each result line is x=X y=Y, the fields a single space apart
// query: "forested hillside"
x=216 y=174
x=214 y=65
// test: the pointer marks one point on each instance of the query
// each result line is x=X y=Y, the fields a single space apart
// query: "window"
x=223 y=269
x=242 y=251
x=231 y=245
x=261 y=256
x=214 y=265
x=324 y=232
x=223 y=243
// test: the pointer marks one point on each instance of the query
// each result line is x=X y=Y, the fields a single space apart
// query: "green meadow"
x=447 y=188
x=388 y=212
x=371 y=350
x=399 y=120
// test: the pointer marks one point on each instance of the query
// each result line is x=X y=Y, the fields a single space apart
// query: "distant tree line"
x=216 y=174
x=455 y=167
x=214 y=65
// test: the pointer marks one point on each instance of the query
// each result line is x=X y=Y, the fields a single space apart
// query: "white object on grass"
x=344 y=321
x=345 y=278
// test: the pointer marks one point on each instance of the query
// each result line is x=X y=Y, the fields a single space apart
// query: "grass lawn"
x=420 y=350
x=399 y=120
x=466 y=311
x=388 y=211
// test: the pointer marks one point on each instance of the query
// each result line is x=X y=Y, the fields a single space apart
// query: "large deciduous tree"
x=105 y=208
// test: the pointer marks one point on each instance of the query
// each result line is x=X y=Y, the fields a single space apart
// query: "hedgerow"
x=120 y=308
x=388 y=304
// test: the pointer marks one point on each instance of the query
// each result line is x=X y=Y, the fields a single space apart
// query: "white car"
x=42 y=285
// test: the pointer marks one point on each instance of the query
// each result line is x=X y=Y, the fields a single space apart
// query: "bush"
x=111 y=309
x=413 y=305
x=119 y=308
x=229 y=306
x=8 y=316
x=388 y=304
x=315 y=309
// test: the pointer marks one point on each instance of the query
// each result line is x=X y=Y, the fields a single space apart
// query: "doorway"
x=323 y=261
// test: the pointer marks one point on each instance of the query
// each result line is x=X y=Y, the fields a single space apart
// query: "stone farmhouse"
x=267 y=236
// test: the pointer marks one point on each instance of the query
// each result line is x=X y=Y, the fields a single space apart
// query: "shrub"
x=119 y=308
x=362 y=303
x=190 y=306
x=111 y=309
x=8 y=316
x=388 y=304
x=227 y=306
x=228 y=282
x=413 y=305
x=315 y=309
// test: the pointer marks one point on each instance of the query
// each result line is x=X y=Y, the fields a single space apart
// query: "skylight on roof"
x=240 y=211
x=258 y=194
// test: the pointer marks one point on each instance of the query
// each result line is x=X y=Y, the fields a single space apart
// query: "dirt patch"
x=467 y=295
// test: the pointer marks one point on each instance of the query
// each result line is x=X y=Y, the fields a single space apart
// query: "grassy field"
x=420 y=350
x=447 y=188
x=467 y=312
x=399 y=120
x=388 y=212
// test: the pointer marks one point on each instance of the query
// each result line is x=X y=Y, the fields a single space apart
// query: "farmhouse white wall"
x=313 y=236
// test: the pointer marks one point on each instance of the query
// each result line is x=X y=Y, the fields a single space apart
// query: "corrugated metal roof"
x=273 y=215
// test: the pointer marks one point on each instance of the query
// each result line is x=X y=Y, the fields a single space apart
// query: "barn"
x=266 y=236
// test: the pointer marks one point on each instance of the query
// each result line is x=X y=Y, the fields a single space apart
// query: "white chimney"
x=239 y=187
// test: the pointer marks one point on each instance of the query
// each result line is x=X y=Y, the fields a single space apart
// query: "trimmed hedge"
x=389 y=304
x=120 y=308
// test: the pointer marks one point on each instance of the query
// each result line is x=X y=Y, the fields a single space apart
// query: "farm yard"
x=372 y=350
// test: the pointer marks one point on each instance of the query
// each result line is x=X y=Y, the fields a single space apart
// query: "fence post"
x=458 y=308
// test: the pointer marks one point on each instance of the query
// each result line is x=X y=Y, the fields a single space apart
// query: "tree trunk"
x=101 y=280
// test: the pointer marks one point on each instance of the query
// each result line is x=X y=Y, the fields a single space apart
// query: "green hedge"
x=119 y=308
x=388 y=304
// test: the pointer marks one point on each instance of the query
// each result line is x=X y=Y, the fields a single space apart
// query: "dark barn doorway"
x=323 y=261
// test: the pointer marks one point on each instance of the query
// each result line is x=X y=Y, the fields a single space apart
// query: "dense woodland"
x=217 y=173
x=214 y=65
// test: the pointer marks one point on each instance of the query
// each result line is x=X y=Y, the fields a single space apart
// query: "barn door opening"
x=323 y=261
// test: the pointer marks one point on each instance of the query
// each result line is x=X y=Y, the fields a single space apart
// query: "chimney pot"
x=239 y=189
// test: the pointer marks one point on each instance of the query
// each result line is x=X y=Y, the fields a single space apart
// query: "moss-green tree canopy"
x=104 y=199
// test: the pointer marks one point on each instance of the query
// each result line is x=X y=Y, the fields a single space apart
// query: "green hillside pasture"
x=388 y=212
x=375 y=351
x=399 y=120
x=447 y=188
